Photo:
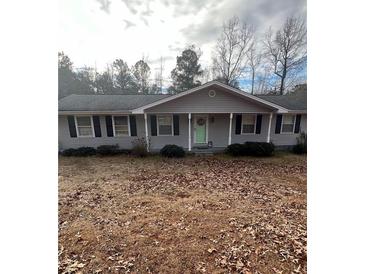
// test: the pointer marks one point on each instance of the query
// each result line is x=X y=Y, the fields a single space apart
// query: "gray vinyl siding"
x=200 y=102
x=287 y=139
x=218 y=132
x=282 y=139
x=158 y=142
x=218 y=129
x=65 y=141
x=242 y=138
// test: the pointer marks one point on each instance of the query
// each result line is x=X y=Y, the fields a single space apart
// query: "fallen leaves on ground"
x=191 y=215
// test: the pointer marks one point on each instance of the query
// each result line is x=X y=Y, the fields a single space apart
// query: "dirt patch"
x=191 y=215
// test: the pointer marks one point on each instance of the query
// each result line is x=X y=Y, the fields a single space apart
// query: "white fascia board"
x=298 y=111
x=84 y=112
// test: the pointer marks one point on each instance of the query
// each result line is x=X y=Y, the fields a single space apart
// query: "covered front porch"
x=198 y=132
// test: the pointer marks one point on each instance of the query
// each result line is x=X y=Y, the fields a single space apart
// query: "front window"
x=164 y=125
x=121 y=127
x=248 y=123
x=288 y=124
x=84 y=126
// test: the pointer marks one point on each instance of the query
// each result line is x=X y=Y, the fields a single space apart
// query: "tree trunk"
x=282 y=83
x=253 y=81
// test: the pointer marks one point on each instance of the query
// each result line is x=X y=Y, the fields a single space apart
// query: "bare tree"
x=287 y=50
x=254 y=61
x=231 y=49
x=141 y=72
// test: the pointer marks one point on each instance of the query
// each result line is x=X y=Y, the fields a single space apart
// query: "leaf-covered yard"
x=193 y=215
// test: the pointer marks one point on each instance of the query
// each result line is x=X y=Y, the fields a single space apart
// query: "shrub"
x=260 y=149
x=108 y=150
x=140 y=146
x=301 y=146
x=300 y=149
x=81 y=151
x=69 y=152
x=235 y=150
x=172 y=151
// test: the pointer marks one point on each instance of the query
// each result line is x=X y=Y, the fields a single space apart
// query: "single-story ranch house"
x=213 y=115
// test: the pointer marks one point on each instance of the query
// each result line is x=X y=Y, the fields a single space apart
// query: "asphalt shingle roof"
x=106 y=102
x=295 y=101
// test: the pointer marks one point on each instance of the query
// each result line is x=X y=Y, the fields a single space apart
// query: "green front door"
x=200 y=130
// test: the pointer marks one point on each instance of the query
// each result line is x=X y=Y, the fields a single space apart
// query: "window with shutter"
x=248 y=123
x=84 y=126
x=164 y=125
x=121 y=125
x=288 y=123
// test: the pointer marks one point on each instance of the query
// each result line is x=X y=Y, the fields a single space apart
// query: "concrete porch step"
x=202 y=150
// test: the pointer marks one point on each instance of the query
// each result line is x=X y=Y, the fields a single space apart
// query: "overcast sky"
x=96 y=32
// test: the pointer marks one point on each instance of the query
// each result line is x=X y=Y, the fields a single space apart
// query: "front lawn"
x=193 y=215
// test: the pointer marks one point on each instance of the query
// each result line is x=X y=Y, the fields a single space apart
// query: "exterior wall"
x=65 y=141
x=200 y=102
x=218 y=132
x=158 y=142
x=242 y=138
x=287 y=139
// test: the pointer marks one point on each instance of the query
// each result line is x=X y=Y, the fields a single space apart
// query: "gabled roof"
x=138 y=103
x=295 y=101
x=117 y=103
x=209 y=84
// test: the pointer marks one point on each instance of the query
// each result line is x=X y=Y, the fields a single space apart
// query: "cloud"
x=128 y=24
x=188 y=7
x=132 y=4
x=157 y=61
x=145 y=21
x=105 y=5
x=260 y=13
x=160 y=27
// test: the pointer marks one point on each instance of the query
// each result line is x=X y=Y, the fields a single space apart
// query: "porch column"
x=146 y=129
x=269 y=130
x=189 y=131
x=230 y=129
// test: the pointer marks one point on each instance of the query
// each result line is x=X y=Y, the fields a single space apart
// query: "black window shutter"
x=238 y=123
x=109 y=126
x=133 y=125
x=153 y=125
x=72 y=126
x=297 y=123
x=176 y=125
x=97 y=129
x=279 y=119
x=258 y=123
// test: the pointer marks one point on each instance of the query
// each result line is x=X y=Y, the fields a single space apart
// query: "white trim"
x=254 y=130
x=269 y=130
x=146 y=131
x=77 y=127
x=234 y=90
x=206 y=128
x=129 y=127
x=78 y=112
x=172 y=125
x=212 y=93
x=189 y=117
x=204 y=112
x=282 y=123
x=230 y=129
